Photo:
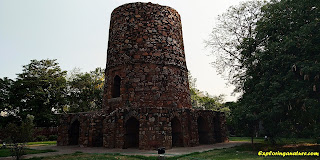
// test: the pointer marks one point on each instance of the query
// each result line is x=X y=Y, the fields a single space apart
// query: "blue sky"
x=75 y=32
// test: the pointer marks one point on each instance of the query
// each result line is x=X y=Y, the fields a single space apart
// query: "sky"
x=75 y=32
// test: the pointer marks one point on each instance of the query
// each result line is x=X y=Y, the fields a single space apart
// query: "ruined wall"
x=146 y=51
x=156 y=127
x=87 y=133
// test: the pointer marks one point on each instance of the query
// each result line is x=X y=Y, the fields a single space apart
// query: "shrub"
x=53 y=137
x=41 y=138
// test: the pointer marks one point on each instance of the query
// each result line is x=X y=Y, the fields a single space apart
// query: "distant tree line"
x=43 y=89
x=203 y=100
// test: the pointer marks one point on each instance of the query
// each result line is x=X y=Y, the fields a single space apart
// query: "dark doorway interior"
x=98 y=140
x=132 y=133
x=177 y=140
x=74 y=133
x=203 y=130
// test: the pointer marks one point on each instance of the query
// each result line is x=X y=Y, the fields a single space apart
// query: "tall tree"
x=285 y=76
x=5 y=86
x=279 y=69
x=85 y=91
x=39 y=91
x=233 y=27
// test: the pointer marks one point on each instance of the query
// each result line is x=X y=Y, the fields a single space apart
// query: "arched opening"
x=203 y=130
x=132 y=133
x=116 y=87
x=74 y=133
x=177 y=140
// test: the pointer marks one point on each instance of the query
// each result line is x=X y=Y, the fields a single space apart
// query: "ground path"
x=171 y=152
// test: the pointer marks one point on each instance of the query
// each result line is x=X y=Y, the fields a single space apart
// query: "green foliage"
x=52 y=137
x=203 y=100
x=5 y=85
x=20 y=133
x=281 y=86
x=85 y=91
x=42 y=90
x=41 y=138
x=39 y=90
x=232 y=28
x=280 y=76
x=17 y=150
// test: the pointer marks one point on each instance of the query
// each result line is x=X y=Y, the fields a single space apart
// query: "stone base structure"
x=144 y=128
x=146 y=101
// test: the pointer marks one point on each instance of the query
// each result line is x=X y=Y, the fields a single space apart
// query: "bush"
x=18 y=150
x=318 y=140
x=53 y=137
x=41 y=138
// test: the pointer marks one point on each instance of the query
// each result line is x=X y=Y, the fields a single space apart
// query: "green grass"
x=93 y=156
x=6 y=152
x=247 y=139
x=43 y=143
x=246 y=152
x=279 y=140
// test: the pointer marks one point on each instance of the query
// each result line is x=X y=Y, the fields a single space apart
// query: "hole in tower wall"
x=74 y=133
x=132 y=133
x=203 y=130
x=116 y=87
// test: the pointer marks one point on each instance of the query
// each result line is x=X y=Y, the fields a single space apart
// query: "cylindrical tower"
x=146 y=64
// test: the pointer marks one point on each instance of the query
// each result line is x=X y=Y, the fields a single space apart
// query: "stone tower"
x=146 y=101
x=146 y=64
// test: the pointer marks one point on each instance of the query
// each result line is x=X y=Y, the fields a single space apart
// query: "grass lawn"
x=235 y=153
x=6 y=152
x=279 y=140
x=42 y=143
x=246 y=151
x=86 y=156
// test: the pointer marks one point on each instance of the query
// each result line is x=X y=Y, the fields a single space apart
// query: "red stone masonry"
x=146 y=51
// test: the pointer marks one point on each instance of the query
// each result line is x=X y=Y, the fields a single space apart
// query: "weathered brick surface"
x=146 y=51
x=146 y=102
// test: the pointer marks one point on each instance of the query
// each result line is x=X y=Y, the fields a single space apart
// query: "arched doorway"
x=177 y=140
x=203 y=130
x=132 y=133
x=74 y=133
x=116 y=87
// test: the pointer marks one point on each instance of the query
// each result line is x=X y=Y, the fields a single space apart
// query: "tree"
x=203 y=100
x=5 y=86
x=40 y=91
x=281 y=79
x=233 y=27
x=19 y=135
x=85 y=91
x=285 y=76
x=276 y=67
